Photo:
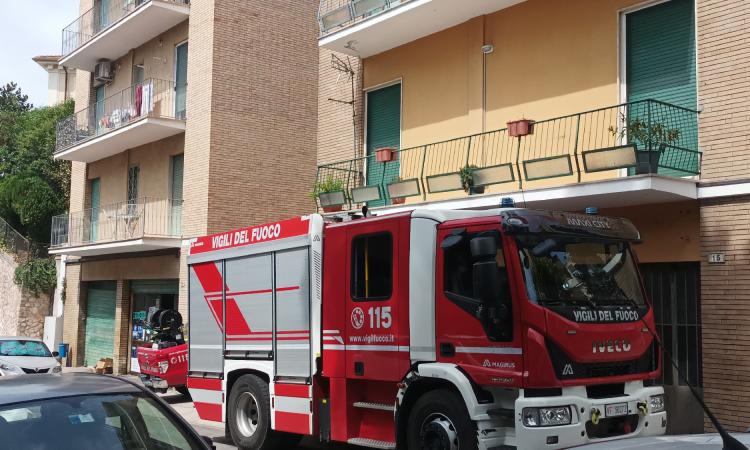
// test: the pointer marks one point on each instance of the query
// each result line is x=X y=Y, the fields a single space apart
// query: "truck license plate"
x=616 y=409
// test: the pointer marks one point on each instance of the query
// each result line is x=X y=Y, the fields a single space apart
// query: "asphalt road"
x=216 y=430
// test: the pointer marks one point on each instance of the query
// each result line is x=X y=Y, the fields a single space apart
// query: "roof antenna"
x=727 y=440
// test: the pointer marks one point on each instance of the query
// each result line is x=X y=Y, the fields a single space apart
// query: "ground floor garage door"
x=100 y=321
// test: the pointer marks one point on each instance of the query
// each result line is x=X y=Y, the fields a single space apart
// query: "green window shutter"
x=95 y=204
x=383 y=130
x=100 y=322
x=181 y=57
x=660 y=65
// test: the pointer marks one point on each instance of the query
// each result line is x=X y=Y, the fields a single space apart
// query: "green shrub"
x=37 y=275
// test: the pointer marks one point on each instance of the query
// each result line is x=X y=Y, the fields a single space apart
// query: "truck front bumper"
x=582 y=429
x=153 y=382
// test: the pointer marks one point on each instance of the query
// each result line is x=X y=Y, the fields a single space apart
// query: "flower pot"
x=518 y=128
x=476 y=190
x=647 y=162
x=398 y=201
x=333 y=209
x=385 y=154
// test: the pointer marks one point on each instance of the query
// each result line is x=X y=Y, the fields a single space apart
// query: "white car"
x=21 y=355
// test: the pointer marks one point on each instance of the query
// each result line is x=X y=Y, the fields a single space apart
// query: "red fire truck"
x=438 y=329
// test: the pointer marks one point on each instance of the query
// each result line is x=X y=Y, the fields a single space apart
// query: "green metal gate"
x=660 y=65
x=100 y=322
x=383 y=130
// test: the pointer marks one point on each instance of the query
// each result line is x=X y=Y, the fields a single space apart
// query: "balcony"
x=142 y=113
x=623 y=155
x=135 y=226
x=124 y=24
x=367 y=27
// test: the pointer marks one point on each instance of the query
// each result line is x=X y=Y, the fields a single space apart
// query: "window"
x=372 y=267
x=138 y=74
x=475 y=279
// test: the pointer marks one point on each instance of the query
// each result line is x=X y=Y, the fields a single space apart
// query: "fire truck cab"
x=438 y=329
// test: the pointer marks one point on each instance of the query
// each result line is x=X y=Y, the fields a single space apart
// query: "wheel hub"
x=438 y=433
x=247 y=414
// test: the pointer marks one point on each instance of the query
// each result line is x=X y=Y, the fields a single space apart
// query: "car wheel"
x=439 y=421
x=249 y=417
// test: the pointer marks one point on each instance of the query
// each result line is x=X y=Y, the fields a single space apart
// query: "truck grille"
x=566 y=368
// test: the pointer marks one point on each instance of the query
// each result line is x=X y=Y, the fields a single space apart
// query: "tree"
x=33 y=185
x=13 y=100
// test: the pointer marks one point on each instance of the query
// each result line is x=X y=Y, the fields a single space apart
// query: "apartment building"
x=192 y=117
x=635 y=107
x=60 y=79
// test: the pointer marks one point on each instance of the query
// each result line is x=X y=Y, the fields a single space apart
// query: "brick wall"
x=264 y=112
x=725 y=303
x=724 y=88
x=121 y=354
x=73 y=310
x=337 y=137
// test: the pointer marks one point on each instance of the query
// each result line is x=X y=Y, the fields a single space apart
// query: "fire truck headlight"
x=547 y=417
x=656 y=403
x=163 y=366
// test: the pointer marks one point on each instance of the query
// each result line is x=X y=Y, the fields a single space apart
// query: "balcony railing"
x=144 y=217
x=592 y=145
x=337 y=14
x=152 y=98
x=98 y=19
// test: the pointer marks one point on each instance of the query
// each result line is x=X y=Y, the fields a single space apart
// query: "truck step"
x=372 y=443
x=378 y=406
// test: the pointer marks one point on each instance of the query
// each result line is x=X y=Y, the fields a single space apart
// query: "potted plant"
x=653 y=136
x=330 y=184
x=386 y=154
x=518 y=128
x=467 y=180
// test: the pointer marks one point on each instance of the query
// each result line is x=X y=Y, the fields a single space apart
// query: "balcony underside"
x=142 y=244
x=618 y=192
x=144 y=131
x=132 y=31
x=406 y=23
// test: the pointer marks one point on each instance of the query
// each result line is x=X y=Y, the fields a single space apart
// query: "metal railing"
x=151 y=98
x=648 y=125
x=334 y=15
x=14 y=242
x=98 y=19
x=144 y=217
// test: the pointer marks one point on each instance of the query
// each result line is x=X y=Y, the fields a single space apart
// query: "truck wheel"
x=439 y=421
x=249 y=417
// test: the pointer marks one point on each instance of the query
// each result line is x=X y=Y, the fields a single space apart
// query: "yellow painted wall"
x=551 y=58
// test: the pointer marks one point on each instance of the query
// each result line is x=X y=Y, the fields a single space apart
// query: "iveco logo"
x=610 y=346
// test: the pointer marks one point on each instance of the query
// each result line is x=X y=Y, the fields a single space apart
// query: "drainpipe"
x=65 y=92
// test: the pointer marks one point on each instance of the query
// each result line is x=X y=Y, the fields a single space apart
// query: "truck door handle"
x=447 y=349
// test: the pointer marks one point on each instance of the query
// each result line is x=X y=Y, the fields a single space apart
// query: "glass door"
x=180 y=80
x=95 y=199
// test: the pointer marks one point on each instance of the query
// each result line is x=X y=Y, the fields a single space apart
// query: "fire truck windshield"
x=573 y=271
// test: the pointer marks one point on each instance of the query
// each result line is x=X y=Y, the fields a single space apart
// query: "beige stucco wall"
x=670 y=232
x=154 y=160
x=124 y=267
x=157 y=57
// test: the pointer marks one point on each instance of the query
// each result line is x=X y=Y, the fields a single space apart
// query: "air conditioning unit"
x=103 y=71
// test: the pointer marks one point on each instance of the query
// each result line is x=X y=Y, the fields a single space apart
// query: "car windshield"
x=115 y=421
x=19 y=347
x=571 y=271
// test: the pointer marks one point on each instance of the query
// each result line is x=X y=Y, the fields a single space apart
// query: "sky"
x=29 y=28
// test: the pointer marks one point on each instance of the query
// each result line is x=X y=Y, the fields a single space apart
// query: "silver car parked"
x=21 y=355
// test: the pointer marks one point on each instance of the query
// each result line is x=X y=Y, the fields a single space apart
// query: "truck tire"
x=183 y=390
x=249 y=417
x=439 y=421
